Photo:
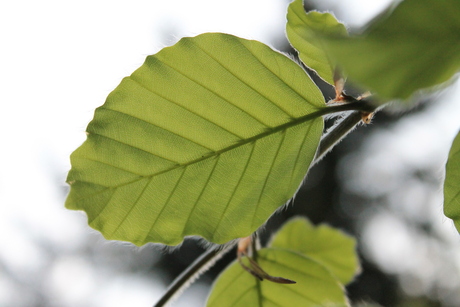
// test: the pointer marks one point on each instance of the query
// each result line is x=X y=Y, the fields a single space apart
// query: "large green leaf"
x=305 y=32
x=452 y=184
x=208 y=137
x=330 y=247
x=315 y=284
x=415 y=46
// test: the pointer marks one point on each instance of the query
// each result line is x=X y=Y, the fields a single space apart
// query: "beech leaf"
x=452 y=184
x=208 y=137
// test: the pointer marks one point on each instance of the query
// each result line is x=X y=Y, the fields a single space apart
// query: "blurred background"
x=59 y=61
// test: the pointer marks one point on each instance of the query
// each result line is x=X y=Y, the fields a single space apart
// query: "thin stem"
x=351 y=105
x=343 y=126
x=336 y=134
x=199 y=266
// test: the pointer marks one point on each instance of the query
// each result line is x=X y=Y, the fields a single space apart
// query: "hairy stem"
x=344 y=126
x=336 y=134
x=198 y=267
x=350 y=105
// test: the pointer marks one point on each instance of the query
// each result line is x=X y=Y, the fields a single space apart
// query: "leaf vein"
x=265 y=298
x=104 y=206
x=165 y=204
x=181 y=106
x=268 y=175
x=236 y=187
x=299 y=151
x=215 y=93
x=296 y=269
x=247 y=84
x=109 y=164
x=201 y=194
x=162 y=128
x=242 y=295
x=288 y=84
x=241 y=274
x=132 y=146
x=133 y=206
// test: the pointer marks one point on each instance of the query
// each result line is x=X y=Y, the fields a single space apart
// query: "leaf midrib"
x=298 y=121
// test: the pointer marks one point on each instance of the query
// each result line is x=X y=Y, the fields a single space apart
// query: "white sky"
x=59 y=60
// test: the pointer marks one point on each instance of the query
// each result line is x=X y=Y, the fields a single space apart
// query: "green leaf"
x=315 y=285
x=452 y=184
x=415 y=46
x=330 y=247
x=208 y=137
x=305 y=32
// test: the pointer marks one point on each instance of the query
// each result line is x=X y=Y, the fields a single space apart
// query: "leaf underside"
x=328 y=246
x=305 y=32
x=452 y=184
x=315 y=286
x=413 y=47
x=208 y=137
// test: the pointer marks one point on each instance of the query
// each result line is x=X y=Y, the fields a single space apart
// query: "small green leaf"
x=208 y=137
x=315 y=285
x=452 y=184
x=415 y=46
x=305 y=32
x=330 y=247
